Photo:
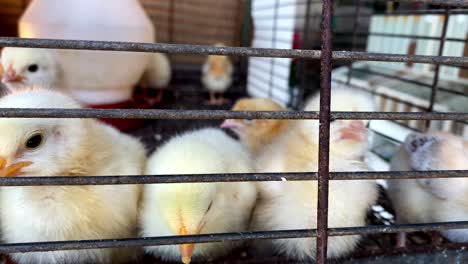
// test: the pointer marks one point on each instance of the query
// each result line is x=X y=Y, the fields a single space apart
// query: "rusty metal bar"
x=230 y=177
x=221 y=237
x=219 y=114
x=357 y=13
x=229 y=51
x=435 y=80
x=324 y=131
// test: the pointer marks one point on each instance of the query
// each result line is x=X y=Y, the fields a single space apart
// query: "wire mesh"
x=326 y=56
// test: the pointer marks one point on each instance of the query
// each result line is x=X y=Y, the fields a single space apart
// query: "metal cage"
x=326 y=56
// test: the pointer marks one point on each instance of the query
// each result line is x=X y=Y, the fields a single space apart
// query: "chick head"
x=259 y=131
x=348 y=137
x=25 y=66
x=44 y=146
x=438 y=151
x=186 y=207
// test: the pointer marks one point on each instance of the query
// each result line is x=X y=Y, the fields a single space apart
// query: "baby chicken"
x=197 y=208
x=66 y=147
x=256 y=134
x=157 y=75
x=431 y=200
x=25 y=66
x=217 y=76
x=297 y=151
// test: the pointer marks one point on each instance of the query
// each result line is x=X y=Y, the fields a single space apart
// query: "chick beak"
x=10 y=76
x=230 y=123
x=186 y=250
x=355 y=130
x=13 y=170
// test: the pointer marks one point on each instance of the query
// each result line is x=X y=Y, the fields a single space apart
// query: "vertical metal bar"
x=301 y=62
x=275 y=25
x=435 y=81
x=324 y=130
x=357 y=14
x=171 y=20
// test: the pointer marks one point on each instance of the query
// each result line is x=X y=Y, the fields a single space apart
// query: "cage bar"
x=234 y=51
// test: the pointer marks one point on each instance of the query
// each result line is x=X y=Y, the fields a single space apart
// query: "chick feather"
x=197 y=208
x=67 y=147
x=217 y=75
x=24 y=67
x=297 y=151
x=257 y=133
x=431 y=200
x=159 y=72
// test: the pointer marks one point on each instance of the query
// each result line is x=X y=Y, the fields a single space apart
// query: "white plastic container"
x=93 y=77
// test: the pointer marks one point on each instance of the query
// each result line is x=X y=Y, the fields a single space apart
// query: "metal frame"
x=326 y=56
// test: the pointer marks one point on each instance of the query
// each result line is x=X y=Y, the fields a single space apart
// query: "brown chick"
x=255 y=134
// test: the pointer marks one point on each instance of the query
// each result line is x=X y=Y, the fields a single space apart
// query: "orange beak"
x=231 y=123
x=10 y=76
x=186 y=250
x=356 y=130
x=12 y=170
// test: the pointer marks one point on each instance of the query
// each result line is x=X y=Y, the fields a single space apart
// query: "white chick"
x=431 y=200
x=24 y=67
x=217 y=76
x=157 y=75
x=197 y=208
x=66 y=147
x=297 y=151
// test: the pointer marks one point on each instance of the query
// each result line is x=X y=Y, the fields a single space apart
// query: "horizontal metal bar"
x=222 y=237
x=230 y=177
x=234 y=51
x=219 y=114
x=151 y=241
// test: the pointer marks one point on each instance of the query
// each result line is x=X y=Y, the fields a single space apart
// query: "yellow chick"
x=431 y=200
x=66 y=147
x=217 y=76
x=297 y=151
x=24 y=67
x=157 y=75
x=256 y=134
x=197 y=208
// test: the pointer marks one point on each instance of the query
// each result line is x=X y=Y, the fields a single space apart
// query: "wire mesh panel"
x=270 y=54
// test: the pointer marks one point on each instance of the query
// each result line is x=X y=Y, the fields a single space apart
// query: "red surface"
x=140 y=100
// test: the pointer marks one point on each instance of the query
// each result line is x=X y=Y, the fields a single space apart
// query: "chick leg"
x=401 y=240
x=213 y=100
x=221 y=100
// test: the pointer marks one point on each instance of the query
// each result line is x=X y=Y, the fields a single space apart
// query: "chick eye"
x=33 y=68
x=34 y=141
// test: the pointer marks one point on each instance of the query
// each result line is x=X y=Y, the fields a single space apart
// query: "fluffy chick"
x=197 y=208
x=255 y=134
x=24 y=67
x=297 y=151
x=217 y=76
x=157 y=75
x=431 y=200
x=66 y=147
